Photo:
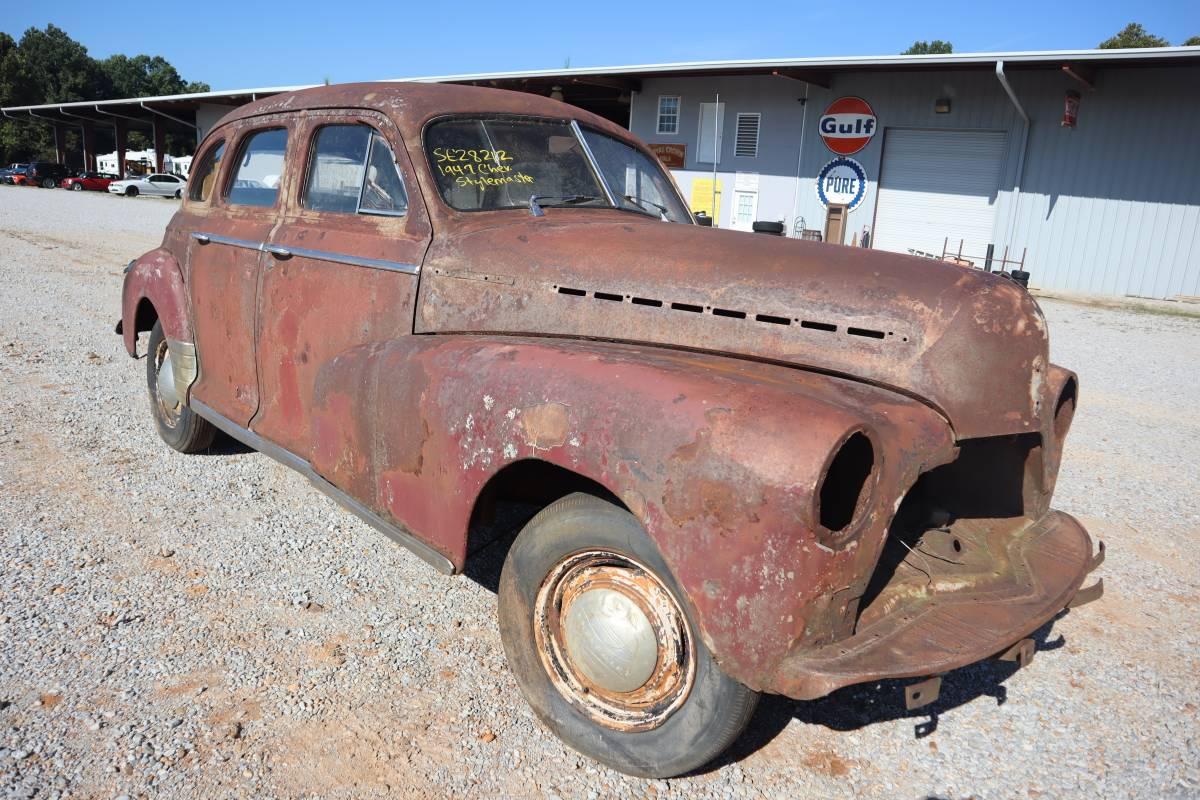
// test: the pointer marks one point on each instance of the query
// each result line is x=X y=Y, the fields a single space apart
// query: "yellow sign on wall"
x=702 y=197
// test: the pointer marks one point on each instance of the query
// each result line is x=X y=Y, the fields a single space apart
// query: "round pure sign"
x=847 y=125
x=842 y=182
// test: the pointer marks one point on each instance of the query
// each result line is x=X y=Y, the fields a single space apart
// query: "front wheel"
x=605 y=649
x=179 y=426
x=77 y=187
x=131 y=191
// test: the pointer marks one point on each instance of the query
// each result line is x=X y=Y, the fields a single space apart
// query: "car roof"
x=411 y=105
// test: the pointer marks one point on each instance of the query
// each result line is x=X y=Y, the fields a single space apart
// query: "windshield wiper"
x=662 y=210
x=535 y=208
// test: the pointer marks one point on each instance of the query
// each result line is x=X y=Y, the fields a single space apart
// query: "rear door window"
x=259 y=169
x=352 y=170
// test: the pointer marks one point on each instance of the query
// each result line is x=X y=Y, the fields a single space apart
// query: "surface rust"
x=706 y=378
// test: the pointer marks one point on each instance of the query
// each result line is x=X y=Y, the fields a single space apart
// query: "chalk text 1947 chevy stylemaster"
x=763 y=465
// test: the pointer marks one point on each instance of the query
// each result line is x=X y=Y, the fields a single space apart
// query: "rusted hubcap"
x=613 y=640
x=168 y=397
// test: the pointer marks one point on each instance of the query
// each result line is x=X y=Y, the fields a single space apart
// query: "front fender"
x=720 y=460
x=155 y=277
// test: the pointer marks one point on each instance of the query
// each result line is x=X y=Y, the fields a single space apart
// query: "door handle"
x=278 y=252
x=202 y=238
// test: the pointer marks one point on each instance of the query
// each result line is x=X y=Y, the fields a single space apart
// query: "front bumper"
x=1004 y=579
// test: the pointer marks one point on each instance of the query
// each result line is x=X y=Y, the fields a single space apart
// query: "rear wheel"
x=131 y=191
x=604 y=648
x=178 y=425
x=48 y=183
x=179 y=194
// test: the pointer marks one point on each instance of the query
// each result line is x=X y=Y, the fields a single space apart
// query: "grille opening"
x=865 y=332
x=1064 y=410
x=687 y=307
x=846 y=482
x=818 y=326
x=608 y=296
x=986 y=481
x=725 y=312
x=646 y=301
x=572 y=292
x=772 y=319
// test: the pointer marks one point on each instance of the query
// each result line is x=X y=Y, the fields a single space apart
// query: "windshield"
x=489 y=164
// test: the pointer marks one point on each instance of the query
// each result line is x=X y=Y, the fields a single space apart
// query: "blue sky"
x=247 y=44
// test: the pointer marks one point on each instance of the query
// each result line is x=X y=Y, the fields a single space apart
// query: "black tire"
x=773 y=228
x=78 y=187
x=714 y=711
x=184 y=430
x=179 y=194
x=49 y=183
x=131 y=191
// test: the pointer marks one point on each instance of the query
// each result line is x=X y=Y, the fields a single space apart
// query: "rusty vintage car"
x=762 y=465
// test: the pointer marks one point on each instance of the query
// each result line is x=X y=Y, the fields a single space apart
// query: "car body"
x=45 y=174
x=18 y=176
x=801 y=466
x=94 y=181
x=6 y=173
x=158 y=184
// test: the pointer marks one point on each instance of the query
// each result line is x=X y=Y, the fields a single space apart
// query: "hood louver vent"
x=769 y=319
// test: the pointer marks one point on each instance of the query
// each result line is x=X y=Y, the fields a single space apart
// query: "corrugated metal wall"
x=1111 y=207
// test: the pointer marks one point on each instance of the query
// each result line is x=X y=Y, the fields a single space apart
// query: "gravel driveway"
x=211 y=626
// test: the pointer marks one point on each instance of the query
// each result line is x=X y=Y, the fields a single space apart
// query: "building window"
x=668 y=114
x=746 y=144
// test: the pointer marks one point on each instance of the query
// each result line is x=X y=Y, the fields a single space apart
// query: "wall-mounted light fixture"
x=941 y=105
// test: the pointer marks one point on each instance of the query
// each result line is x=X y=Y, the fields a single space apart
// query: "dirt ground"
x=211 y=626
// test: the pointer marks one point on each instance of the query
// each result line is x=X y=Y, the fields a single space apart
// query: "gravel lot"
x=209 y=626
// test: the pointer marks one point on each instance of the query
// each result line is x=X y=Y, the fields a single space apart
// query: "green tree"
x=923 y=48
x=1192 y=42
x=48 y=66
x=1133 y=35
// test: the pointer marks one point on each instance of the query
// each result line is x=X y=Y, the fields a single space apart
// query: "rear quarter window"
x=204 y=176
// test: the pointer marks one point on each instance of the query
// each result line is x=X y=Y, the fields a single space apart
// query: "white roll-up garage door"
x=938 y=185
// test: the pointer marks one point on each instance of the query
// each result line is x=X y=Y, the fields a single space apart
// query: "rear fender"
x=155 y=277
x=719 y=459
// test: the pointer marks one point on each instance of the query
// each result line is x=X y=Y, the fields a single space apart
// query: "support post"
x=160 y=145
x=89 y=147
x=60 y=144
x=119 y=135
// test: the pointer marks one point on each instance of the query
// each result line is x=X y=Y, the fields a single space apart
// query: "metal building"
x=1082 y=166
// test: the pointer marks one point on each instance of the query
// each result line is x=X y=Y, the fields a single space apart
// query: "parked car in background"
x=46 y=174
x=6 y=173
x=18 y=177
x=159 y=184
x=758 y=464
x=94 y=181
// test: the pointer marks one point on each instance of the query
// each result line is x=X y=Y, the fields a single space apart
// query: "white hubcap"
x=610 y=640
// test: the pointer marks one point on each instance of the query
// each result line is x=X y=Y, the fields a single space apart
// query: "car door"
x=341 y=271
x=224 y=258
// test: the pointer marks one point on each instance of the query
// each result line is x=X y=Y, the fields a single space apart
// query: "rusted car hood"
x=971 y=344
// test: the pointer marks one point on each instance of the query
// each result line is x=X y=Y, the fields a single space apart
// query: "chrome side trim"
x=356 y=261
x=207 y=238
x=290 y=459
x=320 y=255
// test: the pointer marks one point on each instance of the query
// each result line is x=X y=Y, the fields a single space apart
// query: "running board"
x=358 y=509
